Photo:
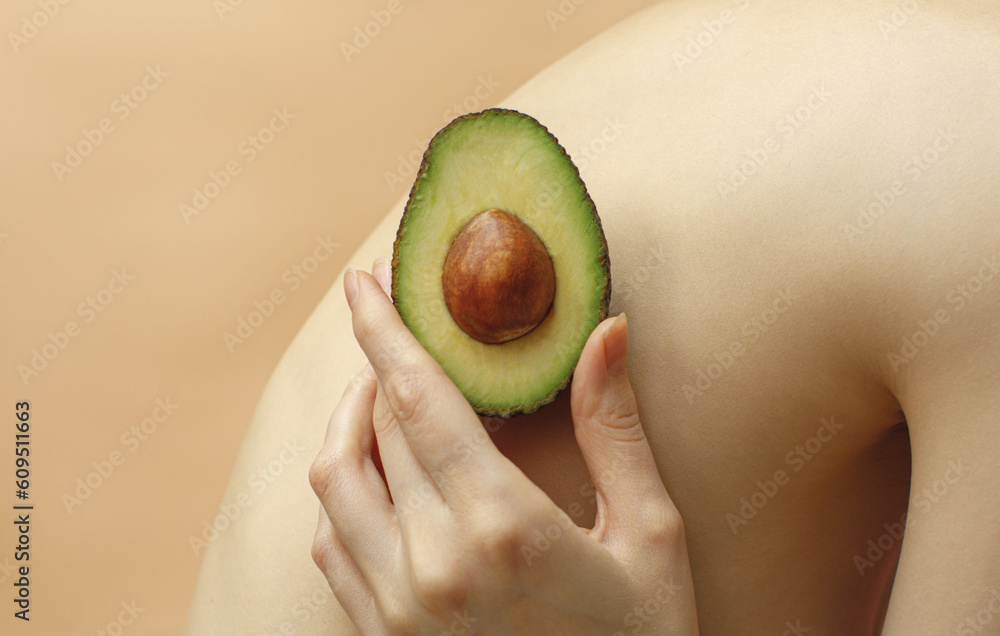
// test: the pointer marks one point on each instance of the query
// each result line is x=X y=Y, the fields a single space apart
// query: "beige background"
x=227 y=65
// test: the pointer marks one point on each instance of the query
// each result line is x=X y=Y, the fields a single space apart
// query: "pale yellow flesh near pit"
x=520 y=169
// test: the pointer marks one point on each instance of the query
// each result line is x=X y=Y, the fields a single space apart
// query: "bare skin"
x=782 y=321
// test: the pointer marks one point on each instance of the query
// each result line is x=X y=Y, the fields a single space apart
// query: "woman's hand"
x=461 y=542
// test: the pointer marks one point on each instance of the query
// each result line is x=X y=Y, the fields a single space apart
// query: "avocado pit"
x=498 y=278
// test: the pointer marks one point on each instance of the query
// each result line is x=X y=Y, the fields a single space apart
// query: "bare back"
x=799 y=200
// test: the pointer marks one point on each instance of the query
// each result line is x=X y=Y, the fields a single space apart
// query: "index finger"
x=436 y=419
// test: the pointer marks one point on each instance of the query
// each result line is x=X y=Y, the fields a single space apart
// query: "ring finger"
x=348 y=483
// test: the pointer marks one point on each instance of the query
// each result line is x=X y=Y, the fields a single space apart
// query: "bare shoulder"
x=754 y=153
x=745 y=157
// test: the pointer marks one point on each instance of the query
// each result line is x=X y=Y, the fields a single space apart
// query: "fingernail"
x=351 y=287
x=382 y=271
x=616 y=346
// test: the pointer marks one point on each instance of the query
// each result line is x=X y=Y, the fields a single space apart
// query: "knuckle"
x=621 y=410
x=321 y=553
x=663 y=524
x=324 y=473
x=366 y=326
x=319 y=476
x=616 y=412
x=438 y=586
x=398 y=619
x=405 y=389
x=620 y=419
x=626 y=426
x=500 y=538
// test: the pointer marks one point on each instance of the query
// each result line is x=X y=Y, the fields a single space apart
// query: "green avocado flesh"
x=502 y=160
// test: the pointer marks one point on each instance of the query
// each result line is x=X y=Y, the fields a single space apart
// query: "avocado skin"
x=604 y=258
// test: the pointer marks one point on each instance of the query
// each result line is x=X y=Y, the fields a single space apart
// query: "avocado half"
x=500 y=266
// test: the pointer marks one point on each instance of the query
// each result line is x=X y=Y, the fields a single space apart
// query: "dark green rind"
x=605 y=261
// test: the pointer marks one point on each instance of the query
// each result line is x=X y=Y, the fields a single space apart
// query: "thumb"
x=610 y=435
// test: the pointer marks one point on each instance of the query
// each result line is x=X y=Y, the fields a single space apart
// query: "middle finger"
x=413 y=491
